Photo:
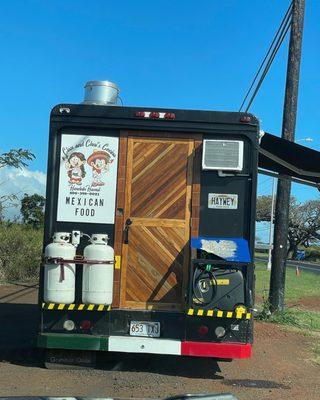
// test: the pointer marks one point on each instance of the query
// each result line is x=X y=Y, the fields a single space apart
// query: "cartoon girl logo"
x=99 y=160
x=75 y=167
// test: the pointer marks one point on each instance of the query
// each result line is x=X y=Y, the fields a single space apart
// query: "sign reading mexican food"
x=87 y=180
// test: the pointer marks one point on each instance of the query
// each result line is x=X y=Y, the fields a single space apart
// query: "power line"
x=275 y=45
x=264 y=190
x=269 y=57
x=283 y=35
x=262 y=230
x=266 y=56
x=264 y=186
x=265 y=181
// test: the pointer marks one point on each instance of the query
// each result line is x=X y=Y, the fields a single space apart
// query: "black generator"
x=216 y=285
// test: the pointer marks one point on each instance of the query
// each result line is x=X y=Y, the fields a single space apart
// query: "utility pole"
x=279 y=255
x=271 y=223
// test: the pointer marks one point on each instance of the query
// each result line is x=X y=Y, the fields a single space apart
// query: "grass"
x=316 y=351
x=262 y=254
x=306 y=284
x=302 y=319
x=305 y=322
x=20 y=252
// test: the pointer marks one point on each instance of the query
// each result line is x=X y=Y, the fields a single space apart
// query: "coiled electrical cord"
x=195 y=285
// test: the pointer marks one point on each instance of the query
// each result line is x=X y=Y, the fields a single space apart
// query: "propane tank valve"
x=75 y=238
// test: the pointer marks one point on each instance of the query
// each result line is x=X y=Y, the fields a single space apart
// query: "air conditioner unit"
x=223 y=155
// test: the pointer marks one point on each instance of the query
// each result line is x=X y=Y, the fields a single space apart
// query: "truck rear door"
x=155 y=252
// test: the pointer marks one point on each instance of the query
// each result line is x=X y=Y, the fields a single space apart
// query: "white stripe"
x=129 y=344
x=304 y=267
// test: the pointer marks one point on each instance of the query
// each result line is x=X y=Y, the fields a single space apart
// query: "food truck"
x=149 y=231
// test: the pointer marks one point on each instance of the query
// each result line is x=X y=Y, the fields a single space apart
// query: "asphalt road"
x=19 y=316
x=305 y=265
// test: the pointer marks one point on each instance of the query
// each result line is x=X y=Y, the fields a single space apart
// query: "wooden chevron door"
x=155 y=252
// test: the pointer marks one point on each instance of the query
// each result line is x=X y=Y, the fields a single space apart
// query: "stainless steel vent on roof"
x=223 y=155
x=101 y=93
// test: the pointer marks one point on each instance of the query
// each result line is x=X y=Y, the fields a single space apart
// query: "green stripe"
x=72 y=341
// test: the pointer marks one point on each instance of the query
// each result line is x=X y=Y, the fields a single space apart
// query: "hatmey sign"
x=88 y=177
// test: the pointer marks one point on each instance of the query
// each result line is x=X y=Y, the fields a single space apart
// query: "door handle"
x=126 y=231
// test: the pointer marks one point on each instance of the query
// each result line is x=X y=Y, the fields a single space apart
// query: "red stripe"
x=218 y=350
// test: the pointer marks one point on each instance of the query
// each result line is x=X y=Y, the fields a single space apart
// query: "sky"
x=180 y=54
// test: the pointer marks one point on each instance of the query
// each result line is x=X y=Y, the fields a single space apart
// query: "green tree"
x=304 y=221
x=32 y=210
x=15 y=158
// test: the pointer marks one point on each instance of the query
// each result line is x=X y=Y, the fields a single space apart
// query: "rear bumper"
x=216 y=350
x=129 y=344
x=72 y=341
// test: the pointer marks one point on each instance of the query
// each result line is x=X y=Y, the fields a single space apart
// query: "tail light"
x=140 y=114
x=169 y=115
x=203 y=330
x=245 y=119
x=154 y=115
x=85 y=325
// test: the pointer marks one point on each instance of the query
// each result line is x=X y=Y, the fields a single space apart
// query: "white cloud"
x=33 y=175
x=20 y=181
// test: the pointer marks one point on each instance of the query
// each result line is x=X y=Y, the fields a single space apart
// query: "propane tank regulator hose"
x=197 y=280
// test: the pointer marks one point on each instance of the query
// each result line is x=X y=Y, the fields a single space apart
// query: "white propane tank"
x=97 y=279
x=59 y=282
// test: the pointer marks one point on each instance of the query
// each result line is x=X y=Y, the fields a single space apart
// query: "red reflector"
x=203 y=330
x=216 y=350
x=85 y=325
x=245 y=118
x=139 y=114
x=169 y=115
x=154 y=115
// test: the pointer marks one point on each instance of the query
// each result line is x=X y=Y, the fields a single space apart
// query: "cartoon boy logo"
x=99 y=161
x=75 y=167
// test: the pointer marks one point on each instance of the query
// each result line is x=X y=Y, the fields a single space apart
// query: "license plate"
x=223 y=201
x=148 y=329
